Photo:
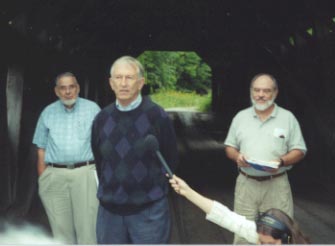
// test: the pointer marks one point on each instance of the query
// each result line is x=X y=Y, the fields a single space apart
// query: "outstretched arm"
x=182 y=188
x=217 y=212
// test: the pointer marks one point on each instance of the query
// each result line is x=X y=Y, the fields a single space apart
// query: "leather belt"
x=72 y=166
x=262 y=178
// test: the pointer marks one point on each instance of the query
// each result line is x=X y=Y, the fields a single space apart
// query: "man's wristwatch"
x=281 y=164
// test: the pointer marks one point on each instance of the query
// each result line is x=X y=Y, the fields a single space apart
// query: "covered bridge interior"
x=293 y=40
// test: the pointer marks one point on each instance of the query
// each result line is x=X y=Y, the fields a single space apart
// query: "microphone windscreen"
x=151 y=142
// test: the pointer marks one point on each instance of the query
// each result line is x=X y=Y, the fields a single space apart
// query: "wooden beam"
x=5 y=187
x=14 y=95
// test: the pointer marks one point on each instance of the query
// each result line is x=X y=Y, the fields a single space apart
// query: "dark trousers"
x=149 y=226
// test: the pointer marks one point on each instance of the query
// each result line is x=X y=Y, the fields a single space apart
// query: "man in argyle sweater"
x=132 y=183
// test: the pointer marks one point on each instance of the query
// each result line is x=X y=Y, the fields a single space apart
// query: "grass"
x=173 y=99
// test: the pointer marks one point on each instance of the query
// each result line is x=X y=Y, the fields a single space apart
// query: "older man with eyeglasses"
x=66 y=167
x=132 y=184
x=265 y=141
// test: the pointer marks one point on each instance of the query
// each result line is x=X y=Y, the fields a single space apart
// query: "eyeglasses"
x=265 y=91
x=67 y=88
x=127 y=78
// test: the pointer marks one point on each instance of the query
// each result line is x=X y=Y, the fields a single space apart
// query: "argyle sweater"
x=130 y=174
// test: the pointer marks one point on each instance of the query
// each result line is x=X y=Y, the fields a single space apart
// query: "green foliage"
x=176 y=99
x=181 y=70
x=206 y=103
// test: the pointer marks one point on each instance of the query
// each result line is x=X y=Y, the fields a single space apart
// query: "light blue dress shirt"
x=134 y=104
x=65 y=134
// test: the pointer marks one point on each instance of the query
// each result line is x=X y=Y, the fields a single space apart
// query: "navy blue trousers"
x=149 y=226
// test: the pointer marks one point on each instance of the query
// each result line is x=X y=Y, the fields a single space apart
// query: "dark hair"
x=276 y=223
x=65 y=74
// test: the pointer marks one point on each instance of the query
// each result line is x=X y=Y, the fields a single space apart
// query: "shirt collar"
x=134 y=104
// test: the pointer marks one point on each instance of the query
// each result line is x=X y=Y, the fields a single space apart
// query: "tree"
x=176 y=70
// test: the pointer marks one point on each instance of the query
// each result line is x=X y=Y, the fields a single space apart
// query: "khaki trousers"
x=253 y=197
x=69 y=198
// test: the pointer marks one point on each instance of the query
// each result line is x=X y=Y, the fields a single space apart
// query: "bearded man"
x=65 y=163
x=265 y=141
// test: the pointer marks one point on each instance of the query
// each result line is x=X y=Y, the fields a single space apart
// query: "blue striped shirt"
x=65 y=134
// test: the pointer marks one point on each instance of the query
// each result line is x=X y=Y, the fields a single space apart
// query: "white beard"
x=262 y=107
x=69 y=102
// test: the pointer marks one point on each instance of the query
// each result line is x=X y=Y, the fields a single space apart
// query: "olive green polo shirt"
x=265 y=140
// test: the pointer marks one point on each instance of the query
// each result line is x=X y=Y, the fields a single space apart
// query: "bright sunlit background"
x=178 y=80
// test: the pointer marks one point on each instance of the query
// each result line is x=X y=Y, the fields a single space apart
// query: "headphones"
x=273 y=222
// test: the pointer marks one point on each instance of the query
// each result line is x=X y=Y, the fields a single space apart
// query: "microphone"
x=151 y=143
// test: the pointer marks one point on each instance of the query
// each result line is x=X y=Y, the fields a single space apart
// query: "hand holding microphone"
x=152 y=144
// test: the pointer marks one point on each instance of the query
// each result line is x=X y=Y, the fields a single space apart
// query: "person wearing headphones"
x=272 y=227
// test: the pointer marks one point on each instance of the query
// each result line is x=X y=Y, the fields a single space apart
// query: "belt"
x=72 y=166
x=262 y=178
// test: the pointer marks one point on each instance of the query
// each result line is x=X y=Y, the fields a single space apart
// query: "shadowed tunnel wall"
x=305 y=72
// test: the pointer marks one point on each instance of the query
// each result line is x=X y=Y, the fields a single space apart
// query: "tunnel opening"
x=177 y=80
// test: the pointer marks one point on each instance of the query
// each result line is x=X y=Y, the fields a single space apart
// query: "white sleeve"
x=224 y=217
